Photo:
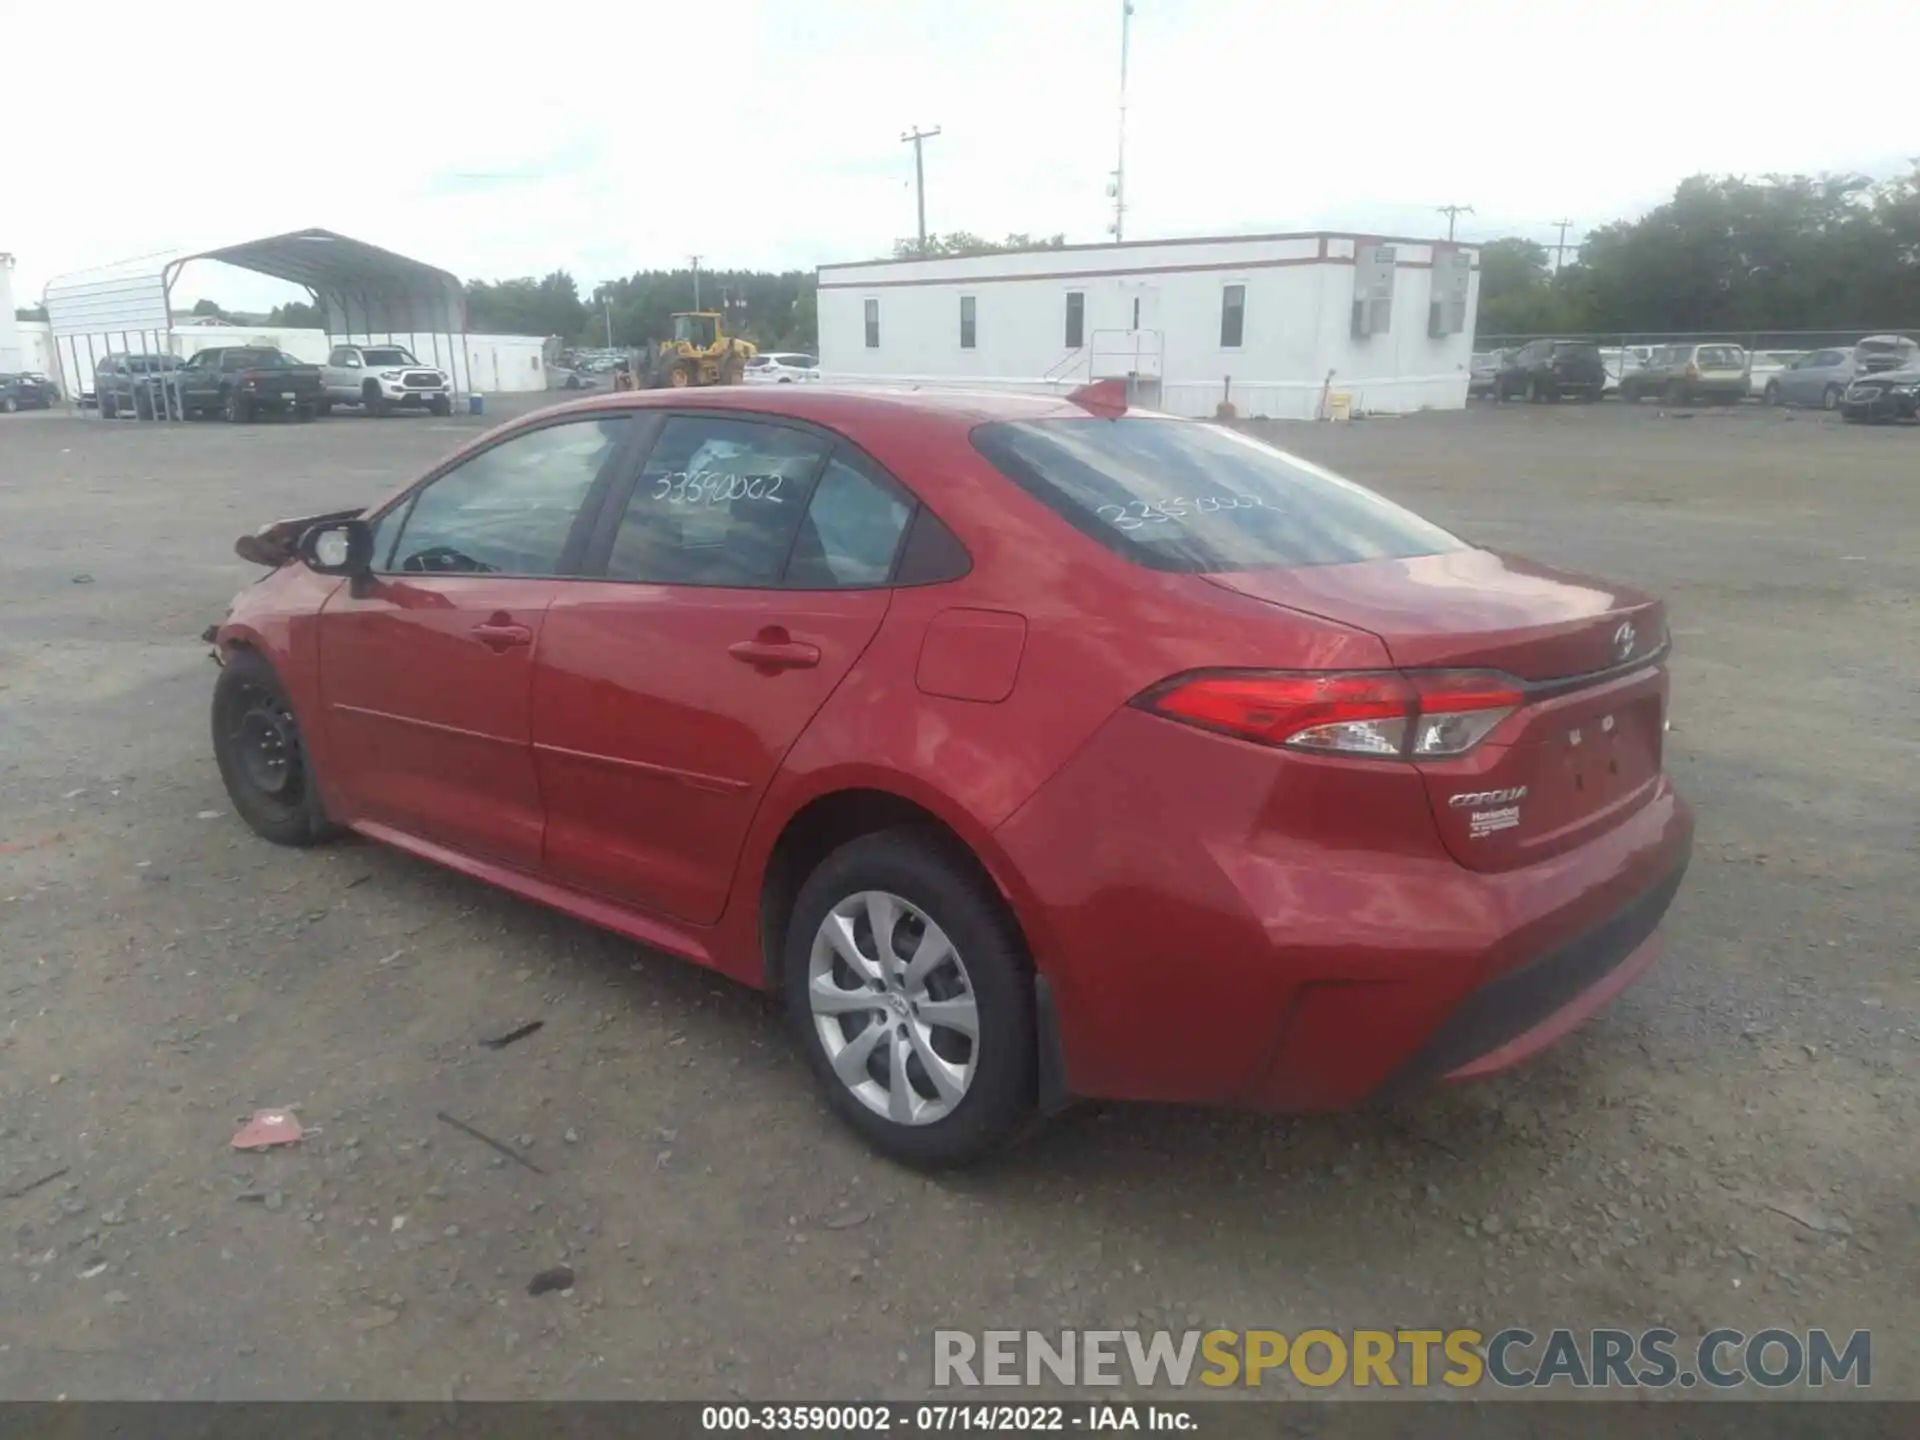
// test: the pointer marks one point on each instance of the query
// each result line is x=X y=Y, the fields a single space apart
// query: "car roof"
x=834 y=405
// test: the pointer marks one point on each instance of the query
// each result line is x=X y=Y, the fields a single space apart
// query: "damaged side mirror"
x=339 y=547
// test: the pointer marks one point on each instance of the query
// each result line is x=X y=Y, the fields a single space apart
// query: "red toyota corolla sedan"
x=1031 y=748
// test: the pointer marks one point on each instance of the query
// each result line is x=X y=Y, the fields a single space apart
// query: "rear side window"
x=852 y=531
x=1185 y=496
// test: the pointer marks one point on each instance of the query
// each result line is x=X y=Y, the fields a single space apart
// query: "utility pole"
x=606 y=303
x=1560 y=250
x=1119 y=187
x=696 y=282
x=915 y=136
x=1451 y=211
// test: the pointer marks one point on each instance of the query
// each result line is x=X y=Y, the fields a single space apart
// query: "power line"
x=915 y=136
x=1451 y=212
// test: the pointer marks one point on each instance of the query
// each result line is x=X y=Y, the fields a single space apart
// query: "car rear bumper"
x=1217 y=927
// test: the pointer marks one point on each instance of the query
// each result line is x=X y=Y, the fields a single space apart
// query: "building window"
x=873 y=324
x=966 y=322
x=1076 y=319
x=1233 y=316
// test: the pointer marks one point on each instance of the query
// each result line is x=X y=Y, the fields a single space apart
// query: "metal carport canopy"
x=360 y=288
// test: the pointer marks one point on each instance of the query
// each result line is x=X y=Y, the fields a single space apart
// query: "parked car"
x=830 y=691
x=1763 y=365
x=1483 y=371
x=781 y=367
x=1552 y=370
x=1689 y=374
x=139 y=385
x=242 y=381
x=380 y=379
x=1622 y=360
x=1822 y=378
x=26 y=392
x=1883 y=395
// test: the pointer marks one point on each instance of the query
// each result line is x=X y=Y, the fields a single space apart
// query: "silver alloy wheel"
x=894 y=1007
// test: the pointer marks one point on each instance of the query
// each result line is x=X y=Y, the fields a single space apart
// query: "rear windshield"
x=1722 y=357
x=261 y=359
x=1186 y=496
x=1576 y=347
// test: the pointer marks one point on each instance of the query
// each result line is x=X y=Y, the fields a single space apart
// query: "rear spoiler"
x=272 y=545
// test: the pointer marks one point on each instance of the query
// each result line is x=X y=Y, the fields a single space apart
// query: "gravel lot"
x=163 y=974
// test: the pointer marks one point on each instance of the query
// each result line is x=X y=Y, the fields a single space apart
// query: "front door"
x=747 y=575
x=426 y=671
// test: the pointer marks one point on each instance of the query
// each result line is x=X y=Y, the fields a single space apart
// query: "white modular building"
x=12 y=356
x=1279 y=326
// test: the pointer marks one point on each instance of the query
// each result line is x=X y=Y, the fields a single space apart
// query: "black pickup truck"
x=242 y=381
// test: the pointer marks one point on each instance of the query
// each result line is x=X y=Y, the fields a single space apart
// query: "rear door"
x=747 y=572
x=426 y=671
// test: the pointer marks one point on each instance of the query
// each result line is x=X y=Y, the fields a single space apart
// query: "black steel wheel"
x=263 y=763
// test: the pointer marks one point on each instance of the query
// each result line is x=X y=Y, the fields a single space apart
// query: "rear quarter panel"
x=1100 y=630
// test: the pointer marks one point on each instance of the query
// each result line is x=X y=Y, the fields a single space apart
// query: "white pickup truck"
x=381 y=379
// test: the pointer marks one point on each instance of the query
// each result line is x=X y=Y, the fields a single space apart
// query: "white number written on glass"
x=1136 y=513
x=712 y=487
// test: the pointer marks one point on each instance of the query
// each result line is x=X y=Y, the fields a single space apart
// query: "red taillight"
x=1385 y=713
x=1693 y=371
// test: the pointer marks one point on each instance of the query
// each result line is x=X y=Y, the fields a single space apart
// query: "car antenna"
x=1105 y=398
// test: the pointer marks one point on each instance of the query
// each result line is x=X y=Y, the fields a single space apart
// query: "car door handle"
x=499 y=635
x=774 y=649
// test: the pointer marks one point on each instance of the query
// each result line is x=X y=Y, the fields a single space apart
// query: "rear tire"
x=107 y=409
x=10 y=406
x=1770 y=397
x=884 y=1087
x=1534 y=392
x=323 y=407
x=236 y=409
x=263 y=762
x=1675 y=393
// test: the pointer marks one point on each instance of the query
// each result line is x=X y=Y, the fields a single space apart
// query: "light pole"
x=916 y=136
x=696 y=282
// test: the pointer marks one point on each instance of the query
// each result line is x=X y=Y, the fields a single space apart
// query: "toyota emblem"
x=1623 y=639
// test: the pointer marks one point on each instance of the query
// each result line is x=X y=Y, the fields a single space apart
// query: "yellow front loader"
x=700 y=353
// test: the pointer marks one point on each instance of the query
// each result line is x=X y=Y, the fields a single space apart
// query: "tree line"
x=1725 y=254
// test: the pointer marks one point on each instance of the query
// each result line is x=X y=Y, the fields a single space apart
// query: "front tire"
x=107 y=408
x=236 y=409
x=912 y=996
x=1830 y=399
x=263 y=762
x=1534 y=393
x=441 y=405
x=1770 y=397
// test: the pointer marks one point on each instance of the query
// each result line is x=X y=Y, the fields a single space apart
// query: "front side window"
x=873 y=324
x=1184 y=496
x=966 y=322
x=342 y=358
x=1233 y=316
x=509 y=509
x=719 y=503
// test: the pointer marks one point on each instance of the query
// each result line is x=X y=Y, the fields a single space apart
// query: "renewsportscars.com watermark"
x=1513 y=1358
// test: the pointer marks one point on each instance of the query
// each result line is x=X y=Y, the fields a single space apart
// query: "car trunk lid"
x=1584 y=749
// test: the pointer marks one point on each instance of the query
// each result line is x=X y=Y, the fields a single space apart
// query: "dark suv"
x=1551 y=370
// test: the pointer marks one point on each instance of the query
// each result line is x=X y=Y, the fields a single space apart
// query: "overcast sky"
x=765 y=133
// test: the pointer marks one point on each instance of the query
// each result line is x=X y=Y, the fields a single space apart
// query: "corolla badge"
x=1473 y=799
x=1623 y=639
